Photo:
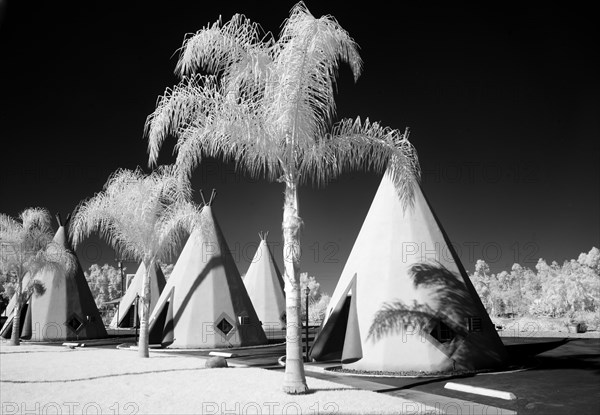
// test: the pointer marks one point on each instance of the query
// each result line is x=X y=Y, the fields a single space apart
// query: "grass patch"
x=407 y=373
x=548 y=324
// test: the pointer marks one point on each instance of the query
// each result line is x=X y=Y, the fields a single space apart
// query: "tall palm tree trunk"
x=294 y=380
x=143 y=342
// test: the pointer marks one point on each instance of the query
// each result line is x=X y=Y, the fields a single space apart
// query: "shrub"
x=581 y=327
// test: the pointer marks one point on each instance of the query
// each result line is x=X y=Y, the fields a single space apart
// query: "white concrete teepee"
x=127 y=305
x=65 y=310
x=264 y=284
x=204 y=303
x=404 y=301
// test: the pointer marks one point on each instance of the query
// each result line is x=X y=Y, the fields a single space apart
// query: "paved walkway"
x=430 y=392
x=266 y=357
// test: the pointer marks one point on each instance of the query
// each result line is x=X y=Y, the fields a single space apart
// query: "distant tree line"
x=105 y=284
x=317 y=300
x=105 y=281
x=549 y=290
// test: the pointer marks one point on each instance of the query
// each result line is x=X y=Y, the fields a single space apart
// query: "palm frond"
x=38 y=218
x=53 y=258
x=209 y=123
x=27 y=246
x=186 y=105
x=90 y=215
x=269 y=103
x=174 y=225
x=357 y=144
x=238 y=49
x=11 y=239
x=173 y=189
x=237 y=134
x=300 y=95
x=132 y=211
x=10 y=229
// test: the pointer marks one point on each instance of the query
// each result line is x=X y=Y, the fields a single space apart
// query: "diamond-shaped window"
x=75 y=323
x=442 y=333
x=225 y=326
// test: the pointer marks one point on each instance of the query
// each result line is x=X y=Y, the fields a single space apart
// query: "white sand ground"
x=37 y=379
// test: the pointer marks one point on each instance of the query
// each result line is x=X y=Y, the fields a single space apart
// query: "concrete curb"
x=219 y=349
x=424 y=402
x=445 y=404
x=509 y=396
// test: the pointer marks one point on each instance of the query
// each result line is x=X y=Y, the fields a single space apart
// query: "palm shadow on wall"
x=442 y=319
x=162 y=329
x=445 y=289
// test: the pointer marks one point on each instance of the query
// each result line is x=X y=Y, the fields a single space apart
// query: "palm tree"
x=26 y=248
x=144 y=218
x=268 y=105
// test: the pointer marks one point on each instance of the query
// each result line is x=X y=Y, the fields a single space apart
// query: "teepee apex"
x=213 y=194
x=265 y=286
x=125 y=315
x=60 y=222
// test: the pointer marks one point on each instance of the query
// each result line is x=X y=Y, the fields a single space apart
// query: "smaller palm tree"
x=26 y=248
x=144 y=218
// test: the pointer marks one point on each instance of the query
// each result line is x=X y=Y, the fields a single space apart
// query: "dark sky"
x=502 y=103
